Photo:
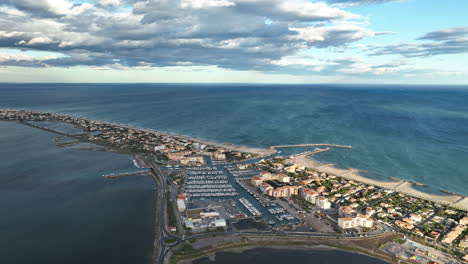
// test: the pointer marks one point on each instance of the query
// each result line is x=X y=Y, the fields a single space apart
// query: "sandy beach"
x=401 y=186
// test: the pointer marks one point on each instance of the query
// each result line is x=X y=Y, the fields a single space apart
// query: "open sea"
x=56 y=208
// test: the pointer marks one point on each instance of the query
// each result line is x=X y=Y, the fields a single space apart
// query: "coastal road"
x=162 y=232
x=161 y=249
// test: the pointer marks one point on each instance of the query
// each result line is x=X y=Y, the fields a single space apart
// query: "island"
x=213 y=196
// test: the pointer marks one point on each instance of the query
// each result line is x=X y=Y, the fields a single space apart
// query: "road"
x=162 y=232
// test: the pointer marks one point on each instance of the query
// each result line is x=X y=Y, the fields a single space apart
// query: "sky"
x=234 y=41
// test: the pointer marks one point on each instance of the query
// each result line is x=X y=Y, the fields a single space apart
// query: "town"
x=215 y=189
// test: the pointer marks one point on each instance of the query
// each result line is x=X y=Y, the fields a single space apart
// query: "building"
x=283 y=178
x=323 y=203
x=159 y=148
x=181 y=205
x=256 y=181
x=192 y=160
x=181 y=202
x=276 y=185
x=464 y=221
x=404 y=225
x=265 y=176
x=415 y=217
x=265 y=187
x=450 y=237
x=353 y=222
x=370 y=211
x=346 y=222
x=346 y=211
x=284 y=191
x=364 y=221
x=218 y=155
x=309 y=195
x=220 y=223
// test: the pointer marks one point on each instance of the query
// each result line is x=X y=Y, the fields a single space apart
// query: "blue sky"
x=240 y=41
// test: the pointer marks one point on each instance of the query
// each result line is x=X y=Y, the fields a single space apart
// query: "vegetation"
x=170 y=212
x=170 y=241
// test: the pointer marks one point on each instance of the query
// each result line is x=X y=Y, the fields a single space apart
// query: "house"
x=256 y=181
x=450 y=237
x=370 y=211
x=265 y=176
x=265 y=187
x=464 y=221
x=404 y=225
x=283 y=178
x=309 y=195
x=218 y=155
x=415 y=217
x=352 y=222
x=284 y=191
x=323 y=202
x=346 y=211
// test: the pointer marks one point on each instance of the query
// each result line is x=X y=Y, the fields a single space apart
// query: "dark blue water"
x=280 y=256
x=56 y=208
x=417 y=133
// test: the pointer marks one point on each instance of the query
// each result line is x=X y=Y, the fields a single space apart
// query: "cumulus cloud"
x=41 y=7
x=155 y=33
x=344 y=65
x=24 y=60
x=109 y=2
x=348 y=3
x=445 y=41
x=205 y=3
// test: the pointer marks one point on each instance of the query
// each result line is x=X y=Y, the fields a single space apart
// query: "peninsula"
x=213 y=196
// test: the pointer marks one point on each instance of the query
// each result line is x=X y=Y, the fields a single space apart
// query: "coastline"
x=208 y=247
x=305 y=159
x=243 y=248
x=402 y=186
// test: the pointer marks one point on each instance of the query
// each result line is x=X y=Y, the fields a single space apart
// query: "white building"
x=181 y=205
x=323 y=203
x=220 y=223
x=359 y=221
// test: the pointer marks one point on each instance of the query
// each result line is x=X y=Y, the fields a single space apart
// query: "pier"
x=311 y=145
x=308 y=153
x=125 y=174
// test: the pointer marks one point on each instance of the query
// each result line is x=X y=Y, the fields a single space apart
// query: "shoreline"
x=402 y=186
x=243 y=248
x=370 y=247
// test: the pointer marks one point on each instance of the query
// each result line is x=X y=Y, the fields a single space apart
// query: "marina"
x=254 y=211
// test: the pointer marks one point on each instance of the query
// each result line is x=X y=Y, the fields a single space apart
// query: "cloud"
x=349 y=3
x=445 y=41
x=113 y=3
x=24 y=60
x=446 y=34
x=161 y=33
x=41 y=7
x=205 y=3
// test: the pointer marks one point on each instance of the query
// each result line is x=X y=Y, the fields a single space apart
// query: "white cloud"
x=223 y=33
x=108 y=2
x=205 y=3
x=332 y=35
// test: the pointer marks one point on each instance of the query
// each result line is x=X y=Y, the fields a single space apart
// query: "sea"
x=56 y=208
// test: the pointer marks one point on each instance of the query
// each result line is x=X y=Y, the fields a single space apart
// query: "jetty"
x=311 y=145
x=126 y=174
